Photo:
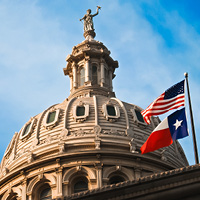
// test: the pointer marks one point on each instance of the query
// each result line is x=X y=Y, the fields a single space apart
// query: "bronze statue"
x=88 y=20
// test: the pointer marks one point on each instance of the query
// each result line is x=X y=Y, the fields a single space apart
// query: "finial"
x=186 y=74
x=88 y=23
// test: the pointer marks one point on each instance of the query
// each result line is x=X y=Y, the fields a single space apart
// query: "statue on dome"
x=88 y=20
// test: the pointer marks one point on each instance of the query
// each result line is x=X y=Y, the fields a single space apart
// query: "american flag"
x=172 y=98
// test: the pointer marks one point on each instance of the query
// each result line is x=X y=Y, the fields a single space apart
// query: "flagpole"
x=192 y=121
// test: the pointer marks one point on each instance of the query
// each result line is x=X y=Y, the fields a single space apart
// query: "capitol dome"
x=90 y=140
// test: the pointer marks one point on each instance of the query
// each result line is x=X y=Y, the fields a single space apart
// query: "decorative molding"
x=80 y=132
x=133 y=146
x=163 y=155
x=64 y=133
x=48 y=139
x=61 y=147
x=97 y=144
x=5 y=171
x=125 y=112
x=96 y=110
x=30 y=157
x=97 y=130
x=10 y=146
x=114 y=132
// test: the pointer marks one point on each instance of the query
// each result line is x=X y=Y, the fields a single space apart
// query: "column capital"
x=87 y=58
x=102 y=60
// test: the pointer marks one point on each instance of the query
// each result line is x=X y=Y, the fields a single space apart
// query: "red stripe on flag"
x=157 y=140
x=161 y=106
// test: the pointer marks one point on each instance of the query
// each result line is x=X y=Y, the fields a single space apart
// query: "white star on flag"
x=177 y=124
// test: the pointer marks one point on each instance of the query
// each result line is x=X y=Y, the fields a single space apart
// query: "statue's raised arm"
x=88 y=19
x=98 y=8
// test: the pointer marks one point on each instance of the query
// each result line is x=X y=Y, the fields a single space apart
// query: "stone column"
x=98 y=167
x=59 y=181
x=102 y=73
x=24 y=186
x=87 y=69
x=71 y=82
x=110 y=80
x=75 y=85
x=137 y=173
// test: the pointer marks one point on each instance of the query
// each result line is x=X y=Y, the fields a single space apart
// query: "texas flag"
x=171 y=128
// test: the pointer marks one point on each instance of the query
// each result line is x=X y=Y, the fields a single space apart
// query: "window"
x=111 y=110
x=94 y=74
x=116 y=179
x=51 y=117
x=45 y=194
x=27 y=129
x=80 y=111
x=139 y=116
x=80 y=186
x=82 y=76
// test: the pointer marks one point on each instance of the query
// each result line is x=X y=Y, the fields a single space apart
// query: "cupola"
x=90 y=66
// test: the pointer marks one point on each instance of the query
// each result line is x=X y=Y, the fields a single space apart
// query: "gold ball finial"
x=186 y=74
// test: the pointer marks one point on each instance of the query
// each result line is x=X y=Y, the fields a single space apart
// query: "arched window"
x=116 y=179
x=45 y=194
x=111 y=110
x=80 y=186
x=82 y=76
x=94 y=75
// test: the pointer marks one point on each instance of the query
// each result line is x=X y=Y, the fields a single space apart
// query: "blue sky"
x=155 y=42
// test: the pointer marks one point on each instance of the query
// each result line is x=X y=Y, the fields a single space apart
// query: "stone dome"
x=91 y=135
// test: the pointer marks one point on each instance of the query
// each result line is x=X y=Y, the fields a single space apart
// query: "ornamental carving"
x=80 y=132
x=114 y=132
x=97 y=130
x=97 y=144
x=133 y=146
x=63 y=135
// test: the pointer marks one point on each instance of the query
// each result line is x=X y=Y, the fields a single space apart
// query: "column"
x=137 y=173
x=24 y=186
x=74 y=76
x=102 y=73
x=71 y=83
x=110 y=77
x=98 y=167
x=87 y=69
x=59 y=181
